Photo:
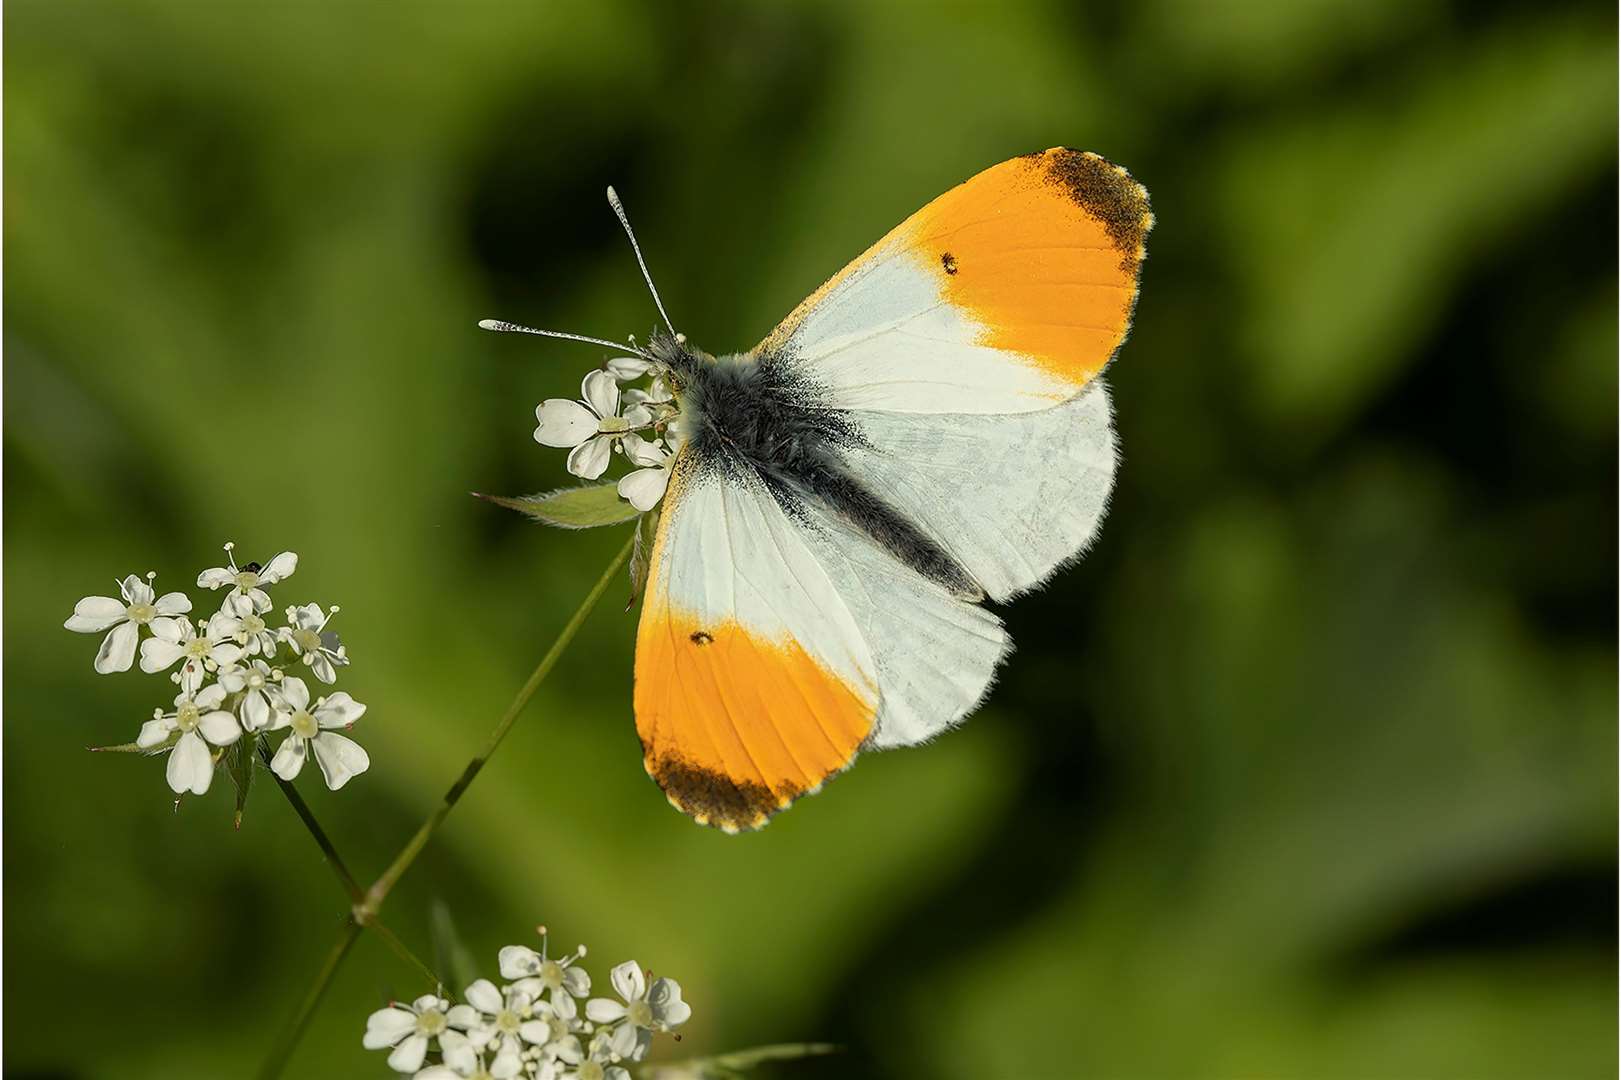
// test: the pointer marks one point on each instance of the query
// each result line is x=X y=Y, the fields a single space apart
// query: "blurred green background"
x=1309 y=770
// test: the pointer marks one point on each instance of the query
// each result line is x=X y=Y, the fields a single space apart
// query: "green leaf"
x=450 y=956
x=585 y=507
x=641 y=555
x=137 y=748
x=239 y=763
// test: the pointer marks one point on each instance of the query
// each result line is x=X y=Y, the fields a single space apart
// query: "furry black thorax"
x=761 y=415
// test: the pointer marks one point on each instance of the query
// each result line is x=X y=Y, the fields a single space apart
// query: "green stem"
x=302 y=809
x=402 y=862
x=294 y=1031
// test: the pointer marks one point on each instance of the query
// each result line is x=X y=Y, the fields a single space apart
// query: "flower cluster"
x=236 y=674
x=532 y=1026
x=634 y=422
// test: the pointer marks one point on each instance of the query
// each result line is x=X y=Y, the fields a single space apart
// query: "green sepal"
x=239 y=763
x=586 y=507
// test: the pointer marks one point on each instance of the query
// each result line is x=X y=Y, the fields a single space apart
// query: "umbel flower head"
x=233 y=678
x=529 y=1027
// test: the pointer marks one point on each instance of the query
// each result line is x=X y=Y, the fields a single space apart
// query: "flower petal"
x=154 y=733
x=338 y=710
x=508 y=1061
x=210 y=697
x=138 y=591
x=279 y=568
x=601 y=391
x=629 y=982
x=457 y=1053
x=516 y=961
x=407 y=1057
x=563 y=423
x=339 y=758
x=295 y=693
x=219 y=728
x=191 y=766
x=156 y=654
x=638 y=416
x=320 y=666
x=604 y=1010
x=117 y=650
x=590 y=459
x=255 y=711
x=645 y=453
x=226 y=652
x=216 y=578
x=484 y=997
x=463 y=1016
x=289 y=757
x=576 y=981
x=385 y=1027
x=173 y=603
x=95 y=613
x=644 y=488
x=627 y=368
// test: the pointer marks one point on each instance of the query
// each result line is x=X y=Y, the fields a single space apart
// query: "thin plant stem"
x=307 y=816
x=402 y=862
x=295 y=1028
x=302 y=809
x=363 y=914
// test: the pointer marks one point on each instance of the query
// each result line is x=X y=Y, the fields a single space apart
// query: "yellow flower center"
x=141 y=613
x=429 y=1021
x=508 y=1022
x=640 y=1013
x=590 y=1070
x=551 y=974
x=252 y=624
x=307 y=640
x=186 y=716
x=197 y=648
x=305 y=727
x=246 y=580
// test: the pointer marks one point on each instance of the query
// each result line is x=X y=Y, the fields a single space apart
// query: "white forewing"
x=885 y=337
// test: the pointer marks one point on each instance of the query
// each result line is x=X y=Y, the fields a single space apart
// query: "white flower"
x=337 y=756
x=644 y=487
x=124 y=617
x=251 y=632
x=179 y=639
x=412 y=1029
x=644 y=1011
x=246 y=597
x=590 y=426
x=598 y=1066
x=197 y=718
x=559 y=979
x=318 y=647
x=502 y=1021
x=256 y=682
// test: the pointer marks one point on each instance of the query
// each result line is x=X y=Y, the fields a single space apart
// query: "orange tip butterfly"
x=928 y=430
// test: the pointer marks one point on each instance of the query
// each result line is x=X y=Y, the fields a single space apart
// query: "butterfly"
x=928 y=431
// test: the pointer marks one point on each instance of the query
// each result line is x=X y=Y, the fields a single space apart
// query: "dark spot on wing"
x=949 y=261
x=702 y=637
x=1106 y=192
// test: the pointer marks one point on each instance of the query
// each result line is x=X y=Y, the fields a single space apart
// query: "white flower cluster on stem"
x=531 y=1027
x=236 y=674
x=635 y=423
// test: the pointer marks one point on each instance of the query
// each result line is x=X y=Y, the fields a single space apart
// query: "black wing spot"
x=949 y=261
x=702 y=637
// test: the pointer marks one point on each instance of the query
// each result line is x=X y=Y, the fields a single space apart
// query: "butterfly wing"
x=966 y=346
x=1009 y=293
x=753 y=682
x=773 y=648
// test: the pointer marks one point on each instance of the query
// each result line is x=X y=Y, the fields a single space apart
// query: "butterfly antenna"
x=619 y=209
x=502 y=327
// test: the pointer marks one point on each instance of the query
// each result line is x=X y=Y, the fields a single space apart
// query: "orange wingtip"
x=736 y=727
